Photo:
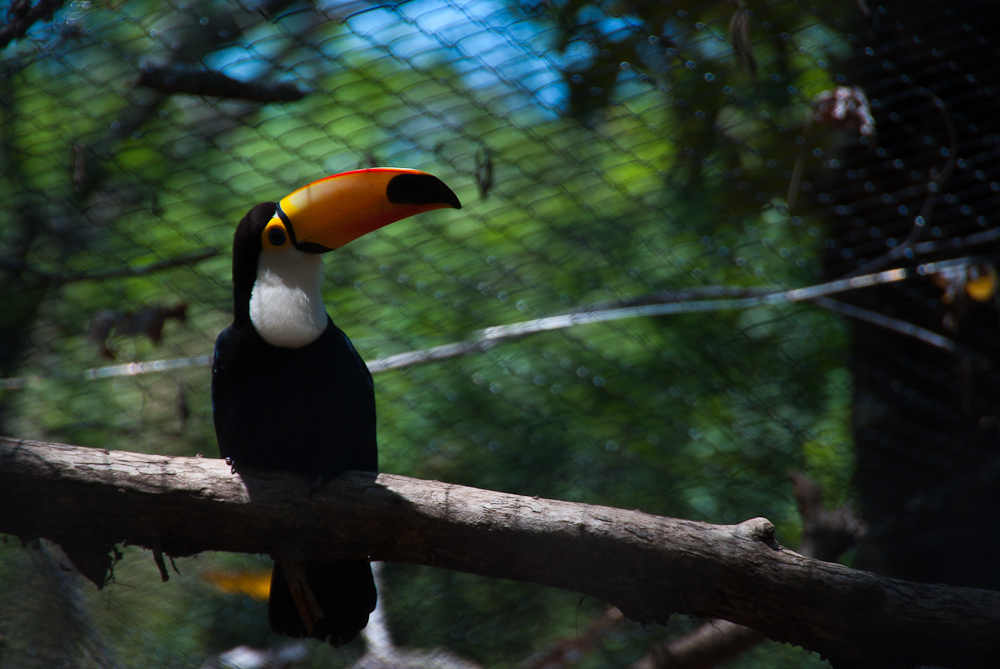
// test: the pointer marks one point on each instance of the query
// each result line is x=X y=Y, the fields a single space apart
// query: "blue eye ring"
x=276 y=235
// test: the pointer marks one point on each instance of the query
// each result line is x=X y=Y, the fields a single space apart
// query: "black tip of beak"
x=420 y=189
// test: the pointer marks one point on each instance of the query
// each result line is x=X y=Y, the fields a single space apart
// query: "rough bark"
x=648 y=566
x=826 y=535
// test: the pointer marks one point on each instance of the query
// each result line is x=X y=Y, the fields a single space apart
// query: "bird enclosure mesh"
x=671 y=280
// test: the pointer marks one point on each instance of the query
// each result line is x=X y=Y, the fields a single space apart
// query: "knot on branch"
x=757 y=529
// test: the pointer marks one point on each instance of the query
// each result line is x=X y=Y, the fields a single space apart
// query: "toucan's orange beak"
x=333 y=211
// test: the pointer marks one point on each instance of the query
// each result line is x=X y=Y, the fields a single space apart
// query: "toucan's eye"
x=275 y=235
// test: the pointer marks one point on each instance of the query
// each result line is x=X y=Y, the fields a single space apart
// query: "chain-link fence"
x=665 y=173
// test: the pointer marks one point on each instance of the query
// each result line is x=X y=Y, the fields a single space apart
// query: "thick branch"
x=648 y=566
x=826 y=535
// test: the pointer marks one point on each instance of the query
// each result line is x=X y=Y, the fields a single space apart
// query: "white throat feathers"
x=286 y=304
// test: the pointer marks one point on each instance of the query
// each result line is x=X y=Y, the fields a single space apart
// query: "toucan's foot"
x=232 y=465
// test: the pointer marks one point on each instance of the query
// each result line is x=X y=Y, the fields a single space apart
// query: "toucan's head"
x=276 y=243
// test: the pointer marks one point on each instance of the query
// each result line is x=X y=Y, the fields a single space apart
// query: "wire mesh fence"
x=607 y=320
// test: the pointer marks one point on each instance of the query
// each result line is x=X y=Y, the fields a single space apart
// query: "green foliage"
x=660 y=175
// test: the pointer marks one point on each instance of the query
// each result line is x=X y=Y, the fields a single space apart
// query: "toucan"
x=289 y=391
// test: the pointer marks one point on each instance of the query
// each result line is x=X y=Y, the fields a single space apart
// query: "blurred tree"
x=605 y=152
x=924 y=190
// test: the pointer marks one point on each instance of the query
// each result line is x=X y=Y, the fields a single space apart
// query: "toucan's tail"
x=329 y=601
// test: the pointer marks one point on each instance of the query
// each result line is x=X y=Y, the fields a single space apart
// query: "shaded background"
x=608 y=155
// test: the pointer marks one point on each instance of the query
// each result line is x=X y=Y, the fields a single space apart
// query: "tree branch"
x=825 y=536
x=182 y=260
x=664 y=303
x=174 y=78
x=648 y=566
x=21 y=15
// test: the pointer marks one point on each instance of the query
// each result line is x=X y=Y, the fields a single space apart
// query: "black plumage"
x=308 y=409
